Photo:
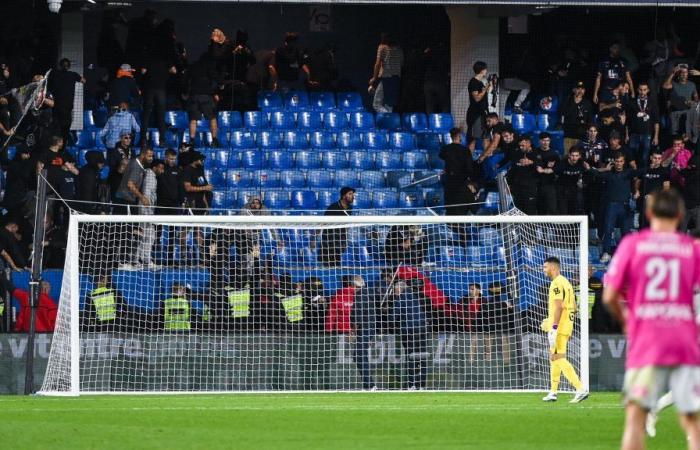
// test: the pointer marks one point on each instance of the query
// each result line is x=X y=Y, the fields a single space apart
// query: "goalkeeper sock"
x=555 y=375
x=570 y=373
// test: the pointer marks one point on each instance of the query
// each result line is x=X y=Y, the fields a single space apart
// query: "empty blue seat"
x=523 y=123
x=415 y=122
x=177 y=119
x=335 y=160
x=349 y=140
x=252 y=159
x=398 y=178
x=322 y=139
x=402 y=141
x=265 y=179
x=361 y=160
x=546 y=122
x=255 y=120
x=326 y=197
x=236 y=179
x=310 y=120
x=335 y=120
x=388 y=121
x=440 y=122
x=242 y=139
x=319 y=178
x=216 y=178
x=363 y=200
x=221 y=199
x=292 y=179
x=433 y=198
x=306 y=159
x=277 y=200
x=355 y=256
x=268 y=99
x=295 y=139
x=410 y=199
x=304 y=200
x=375 y=140
x=346 y=177
x=322 y=101
x=220 y=159
x=490 y=237
x=434 y=160
x=295 y=100
x=88 y=120
x=362 y=120
x=269 y=139
x=450 y=256
x=282 y=120
x=385 y=199
x=372 y=179
x=86 y=139
x=388 y=160
x=229 y=120
x=280 y=159
x=415 y=160
x=349 y=101
x=427 y=178
x=203 y=139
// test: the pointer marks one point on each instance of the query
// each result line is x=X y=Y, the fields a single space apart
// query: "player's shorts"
x=560 y=345
x=646 y=385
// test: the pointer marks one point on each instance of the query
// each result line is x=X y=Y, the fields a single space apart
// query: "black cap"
x=345 y=189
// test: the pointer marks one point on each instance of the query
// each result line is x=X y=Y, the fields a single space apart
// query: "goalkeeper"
x=559 y=325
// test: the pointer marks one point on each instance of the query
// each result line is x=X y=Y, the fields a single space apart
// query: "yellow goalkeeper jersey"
x=561 y=289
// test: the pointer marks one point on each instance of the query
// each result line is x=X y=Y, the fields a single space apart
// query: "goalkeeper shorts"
x=560 y=345
x=646 y=385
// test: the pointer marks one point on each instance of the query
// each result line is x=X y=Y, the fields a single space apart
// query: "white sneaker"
x=579 y=397
x=651 y=424
x=551 y=397
x=605 y=258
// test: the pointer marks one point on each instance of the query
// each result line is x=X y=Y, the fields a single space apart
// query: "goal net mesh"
x=150 y=305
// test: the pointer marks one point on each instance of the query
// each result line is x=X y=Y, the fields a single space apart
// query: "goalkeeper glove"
x=552 y=337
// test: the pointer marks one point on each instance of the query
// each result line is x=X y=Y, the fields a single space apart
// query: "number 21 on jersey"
x=663 y=279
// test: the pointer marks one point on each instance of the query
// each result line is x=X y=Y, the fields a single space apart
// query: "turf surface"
x=417 y=420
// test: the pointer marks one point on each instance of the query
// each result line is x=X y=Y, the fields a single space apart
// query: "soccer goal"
x=192 y=304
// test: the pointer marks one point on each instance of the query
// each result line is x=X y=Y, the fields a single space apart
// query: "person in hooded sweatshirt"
x=89 y=181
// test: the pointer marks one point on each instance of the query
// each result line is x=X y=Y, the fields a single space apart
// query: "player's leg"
x=633 y=436
x=653 y=416
x=685 y=384
x=568 y=370
x=554 y=376
x=642 y=388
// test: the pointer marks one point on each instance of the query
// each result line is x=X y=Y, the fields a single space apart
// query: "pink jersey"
x=657 y=273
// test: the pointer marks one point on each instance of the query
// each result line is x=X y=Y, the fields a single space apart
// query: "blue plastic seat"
x=430 y=178
x=307 y=159
x=361 y=160
x=357 y=256
x=346 y=177
x=398 y=179
x=282 y=120
x=88 y=120
x=319 y=178
x=177 y=119
x=322 y=140
x=326 y=197
x=415 y=160
x=277 y=200
x=415 y=122
x=434 y=160
x=221 y=199
x=349 y=140
x=372 y=179
x=433 y=198
x=295 y=100
x=252 y=159
x=388 y=160
x=86 y=139
x=410 y=199
x=229 y=119
x=333 y=159
x=280 y=159
x=268 y=99
x=292 y=179
x=242 y=139
x=349 y=101
x=322 y=101
x=236 y=179
x=545 y=122
x=255 y=120
x=428 y=141
x=203 y=139
x=310 y=120
x=362 y=120
x=388 y=121
x=448 y=256
x=304 y=200
x=265 y=179
x=402 y=141
x=374 y=140
x=220 y=159
x=385 y=199
x=523 y=123
x=294 y=139
x=440 y=122
x=335 y=120
x=269 y=139
x=363 y=200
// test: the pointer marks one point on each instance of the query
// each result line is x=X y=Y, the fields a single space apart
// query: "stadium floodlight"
x=309 y=303
x=54 y=5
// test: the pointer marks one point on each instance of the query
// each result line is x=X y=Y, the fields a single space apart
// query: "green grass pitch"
x=418 y=420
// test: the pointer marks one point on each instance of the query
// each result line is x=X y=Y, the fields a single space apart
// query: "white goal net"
x=189 y=304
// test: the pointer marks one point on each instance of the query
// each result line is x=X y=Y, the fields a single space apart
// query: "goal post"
x=201 y=304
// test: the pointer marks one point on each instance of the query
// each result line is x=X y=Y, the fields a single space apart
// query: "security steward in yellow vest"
x=177 y=310
x=104 y=308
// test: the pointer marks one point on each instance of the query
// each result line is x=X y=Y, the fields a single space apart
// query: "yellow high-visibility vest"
x=105 y=304
x=293 y=308
x=239 y=303
x=177 y=314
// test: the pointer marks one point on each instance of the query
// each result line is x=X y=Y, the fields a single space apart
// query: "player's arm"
x=558 y=311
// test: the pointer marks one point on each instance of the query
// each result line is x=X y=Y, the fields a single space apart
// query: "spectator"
x=436 y=81
x=612 y=122
x=643 y=124
x=365 y=319
x=569 y=183
x=617 y=197
x=95 y=86
x=692 y=126
x=653 y=178
x=320 y=69
x=123 y=88
x=386 y=78
x=21 y=181
x=202 y=81
x=615 y=147
x=122 y=123
x=691 y=193
x=410 y=318
x=462 y=316
x=611 y=72
x=118 y=159
x=681 y=94
x=130 y=192
x=66 y=187
x=405 y=246
x=546 y=168
x=458 y=174
x=312 y=291
x=334 y=240
x=90 y=183
x=285 y=66
x=220 y=51
x=577 y=113
x=492 y=135
x=197 y=188
x=171 y=190
x=243 y=90
x=498 y=321
x=677 y=158
x=148 y=230
x=523 y=177
x=340 y=306
x=509 y=85
x=479 y=88
x=62 y=85
x=45 y=319
x=10 y=249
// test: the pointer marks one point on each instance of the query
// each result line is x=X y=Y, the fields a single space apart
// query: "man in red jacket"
x=340 y=308
x=45 y=313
